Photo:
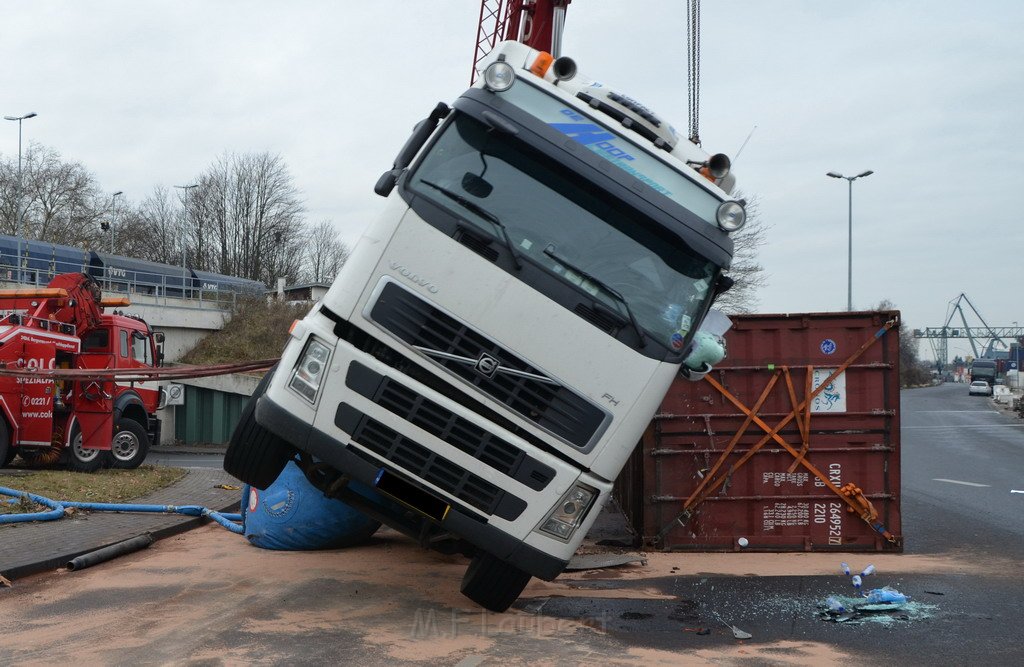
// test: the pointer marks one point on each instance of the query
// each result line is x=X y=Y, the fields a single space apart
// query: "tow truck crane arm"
x=70 y=298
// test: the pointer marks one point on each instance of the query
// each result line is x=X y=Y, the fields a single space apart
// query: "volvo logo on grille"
x=487 y=365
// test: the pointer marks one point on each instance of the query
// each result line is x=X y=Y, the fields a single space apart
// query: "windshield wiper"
x=471 y=205
x=550 y=252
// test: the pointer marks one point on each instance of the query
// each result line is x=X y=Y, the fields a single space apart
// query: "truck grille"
x=425 y=464
x=445 y=425
x=460 y=350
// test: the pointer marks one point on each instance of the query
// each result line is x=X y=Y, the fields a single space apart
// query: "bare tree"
x=748 y=273
x=156 y=235
x=913 y=372
x=245 y=219
x=60 y=201
x=324 y=253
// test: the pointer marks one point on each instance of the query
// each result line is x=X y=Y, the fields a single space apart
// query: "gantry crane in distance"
x=983 y=339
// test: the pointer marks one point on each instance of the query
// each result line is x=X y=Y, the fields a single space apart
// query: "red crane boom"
x=536 y=23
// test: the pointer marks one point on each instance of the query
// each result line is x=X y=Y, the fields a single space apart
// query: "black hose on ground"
x=112 y=551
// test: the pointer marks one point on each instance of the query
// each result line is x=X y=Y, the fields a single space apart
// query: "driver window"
x=124 y=343
x=140 y=348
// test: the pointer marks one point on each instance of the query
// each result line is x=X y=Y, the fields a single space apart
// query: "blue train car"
x=139 y=276
x=8 y=257
x=40 y=261
x=216 y=282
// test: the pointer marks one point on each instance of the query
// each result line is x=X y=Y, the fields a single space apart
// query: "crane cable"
x=693 y=67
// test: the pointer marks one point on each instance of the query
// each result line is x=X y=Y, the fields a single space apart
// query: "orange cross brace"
x=735 y=438
x=773 y=434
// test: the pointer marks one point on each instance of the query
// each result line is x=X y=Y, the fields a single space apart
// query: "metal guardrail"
x=168 y=291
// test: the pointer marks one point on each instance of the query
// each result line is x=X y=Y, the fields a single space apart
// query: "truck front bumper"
x=339 y=455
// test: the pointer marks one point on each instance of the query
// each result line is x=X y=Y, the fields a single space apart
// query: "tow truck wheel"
x=7 y=452
x=255 y=455
x=129 y=446
x=492 y=583
x=83 y=459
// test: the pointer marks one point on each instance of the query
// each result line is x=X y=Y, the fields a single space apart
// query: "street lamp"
x=849 y=256
x=18 y=212
x=113 y=211
x=184 y=244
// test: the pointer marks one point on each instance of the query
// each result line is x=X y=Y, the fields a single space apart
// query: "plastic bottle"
x=856 y=581
x=845 y=568
x=870 y=569
x=835 y=605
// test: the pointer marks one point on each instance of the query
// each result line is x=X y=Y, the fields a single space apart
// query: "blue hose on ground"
x=57 y=510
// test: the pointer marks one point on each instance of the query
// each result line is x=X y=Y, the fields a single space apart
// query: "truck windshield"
x=551 y=214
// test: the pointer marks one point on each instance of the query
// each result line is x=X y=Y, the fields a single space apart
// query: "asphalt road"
x=962 y=457
x=179 y=459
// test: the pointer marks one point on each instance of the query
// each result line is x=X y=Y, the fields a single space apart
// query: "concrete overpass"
x=184 y=322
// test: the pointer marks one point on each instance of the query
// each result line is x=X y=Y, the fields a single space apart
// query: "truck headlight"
x=310 y=370
x=568 y=514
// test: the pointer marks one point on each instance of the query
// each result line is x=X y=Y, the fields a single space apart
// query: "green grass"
x=104 y=486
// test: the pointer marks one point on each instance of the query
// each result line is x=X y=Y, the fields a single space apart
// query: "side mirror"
x=386 y=182
x=723 y=285
x=420 y=134
x=159 y=337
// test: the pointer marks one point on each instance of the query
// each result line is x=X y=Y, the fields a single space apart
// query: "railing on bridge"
x=171 y=290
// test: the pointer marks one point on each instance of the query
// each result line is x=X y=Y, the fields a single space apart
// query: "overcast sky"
x=929 y=95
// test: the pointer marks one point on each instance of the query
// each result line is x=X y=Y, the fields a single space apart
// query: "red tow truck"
x=86 y=424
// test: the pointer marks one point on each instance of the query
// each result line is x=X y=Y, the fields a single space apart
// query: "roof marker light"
x=541 y=64
x=731 y=215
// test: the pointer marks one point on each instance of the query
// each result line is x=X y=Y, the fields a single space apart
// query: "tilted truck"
x=88 y=424
x=501 y=336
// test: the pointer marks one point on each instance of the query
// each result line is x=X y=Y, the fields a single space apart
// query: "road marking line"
x=956 y=426
x=956 y=481
x=1015 y=491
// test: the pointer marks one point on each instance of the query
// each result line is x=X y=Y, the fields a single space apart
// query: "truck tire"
x=492 y=583
x=82 y=459
x=130 y=445
x=7 y=453
x=255 y=455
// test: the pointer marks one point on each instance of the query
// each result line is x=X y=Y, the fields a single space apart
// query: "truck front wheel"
x=83 y=459
x=130 y=444
x=492 y=583
x=255 y=455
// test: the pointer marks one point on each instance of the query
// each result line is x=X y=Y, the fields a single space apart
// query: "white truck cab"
x=502 y=335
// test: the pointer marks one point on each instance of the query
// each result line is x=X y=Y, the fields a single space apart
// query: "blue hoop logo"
x=828 y=346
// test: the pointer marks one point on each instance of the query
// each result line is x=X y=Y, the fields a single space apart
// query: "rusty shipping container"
x=706 y=474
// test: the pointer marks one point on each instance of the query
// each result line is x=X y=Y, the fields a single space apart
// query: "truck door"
x=36 y=396
x=94 y=404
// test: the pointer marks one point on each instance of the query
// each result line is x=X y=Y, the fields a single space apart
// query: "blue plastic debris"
x=293 y=515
